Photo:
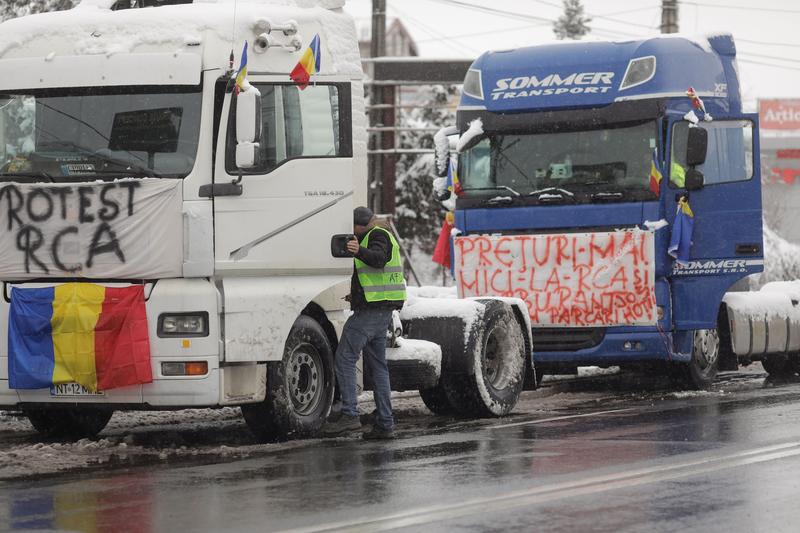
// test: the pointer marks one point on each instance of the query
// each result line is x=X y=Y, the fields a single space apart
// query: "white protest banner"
x=570 y=279
x=124 y=229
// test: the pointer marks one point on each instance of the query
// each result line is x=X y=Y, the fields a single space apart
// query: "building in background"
x=779 y=121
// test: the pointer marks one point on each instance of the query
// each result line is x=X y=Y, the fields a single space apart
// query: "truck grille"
x=566 y=339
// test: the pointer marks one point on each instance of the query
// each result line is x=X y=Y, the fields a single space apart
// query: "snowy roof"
x=197 y=36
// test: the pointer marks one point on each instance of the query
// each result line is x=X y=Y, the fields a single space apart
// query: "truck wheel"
x=436 y=400
x=700 y=372
x=498 y=362
x=84 y=422
x=299 y=388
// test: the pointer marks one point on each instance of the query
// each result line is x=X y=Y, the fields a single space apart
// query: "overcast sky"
x=767 y=36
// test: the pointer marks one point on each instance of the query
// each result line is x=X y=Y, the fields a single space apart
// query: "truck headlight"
x=193 y=324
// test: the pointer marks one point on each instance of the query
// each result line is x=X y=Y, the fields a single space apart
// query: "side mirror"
x=696 y=146
x=248 y=127
x=694 y=180
x=339 y=245
x=442 y=154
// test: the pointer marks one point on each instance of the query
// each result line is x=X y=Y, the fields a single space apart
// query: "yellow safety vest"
x=382 y=284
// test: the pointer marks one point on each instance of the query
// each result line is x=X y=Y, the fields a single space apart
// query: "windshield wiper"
x=39 y=174
x=606 y=196
x=495 y=188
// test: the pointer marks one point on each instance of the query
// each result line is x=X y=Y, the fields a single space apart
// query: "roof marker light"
x=640 y=70
x=472 y=84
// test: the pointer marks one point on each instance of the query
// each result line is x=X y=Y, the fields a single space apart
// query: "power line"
x=742 y=8
x=762 y=64
x=517 y=16
x=765 y=56
x=609 y=16
x=766 y=43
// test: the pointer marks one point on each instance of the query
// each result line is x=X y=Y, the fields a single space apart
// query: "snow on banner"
x=125 y=229
x=573 y=279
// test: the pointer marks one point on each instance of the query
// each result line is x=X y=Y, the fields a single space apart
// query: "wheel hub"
x=304 y=379
x=706 y=343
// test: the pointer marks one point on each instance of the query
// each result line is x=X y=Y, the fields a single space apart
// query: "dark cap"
x=362 y=215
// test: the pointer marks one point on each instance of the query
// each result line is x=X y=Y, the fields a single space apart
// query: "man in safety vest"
x=376 y=289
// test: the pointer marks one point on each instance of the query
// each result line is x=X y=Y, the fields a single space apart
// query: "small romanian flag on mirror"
x=308 y=65
x=78 y=333
x=655 y=175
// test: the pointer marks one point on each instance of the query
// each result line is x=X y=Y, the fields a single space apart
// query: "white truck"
x=130 y=158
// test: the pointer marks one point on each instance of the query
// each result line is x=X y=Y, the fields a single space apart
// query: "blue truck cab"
x=581 y=142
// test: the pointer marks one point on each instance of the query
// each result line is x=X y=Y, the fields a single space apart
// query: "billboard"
x=780 y=114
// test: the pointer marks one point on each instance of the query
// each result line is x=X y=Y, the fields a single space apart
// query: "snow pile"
x=680 y=395
x=417 y=350
x=475 y=130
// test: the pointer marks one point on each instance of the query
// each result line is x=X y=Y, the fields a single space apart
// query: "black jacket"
x=377 y=253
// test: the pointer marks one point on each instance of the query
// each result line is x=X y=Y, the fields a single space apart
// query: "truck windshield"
x=98 y=133
x=591 y=165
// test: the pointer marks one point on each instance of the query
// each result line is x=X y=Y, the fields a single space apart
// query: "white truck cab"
x=131 y=157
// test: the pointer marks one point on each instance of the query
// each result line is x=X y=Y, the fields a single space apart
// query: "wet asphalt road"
x=631 y=462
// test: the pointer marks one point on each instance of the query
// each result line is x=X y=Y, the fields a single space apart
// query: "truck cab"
x=122 y=166
x=579 y=164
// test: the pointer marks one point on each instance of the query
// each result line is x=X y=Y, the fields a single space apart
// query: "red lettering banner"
x=573 y=279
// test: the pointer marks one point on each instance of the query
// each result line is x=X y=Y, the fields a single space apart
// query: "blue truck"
x=615 y=188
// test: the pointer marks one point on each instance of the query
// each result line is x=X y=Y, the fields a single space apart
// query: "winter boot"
x=344 y=424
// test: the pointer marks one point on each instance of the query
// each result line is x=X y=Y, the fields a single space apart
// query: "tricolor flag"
x=308 y=65
x=681 y=240
x=453 y=183
x=78 y=332
x=655 y=175
x=241 y=77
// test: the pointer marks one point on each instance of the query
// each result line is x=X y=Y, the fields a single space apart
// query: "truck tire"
x=77 y=423
x=299 y=388
x=435 y=399
x=702 y=369
x=497 y=352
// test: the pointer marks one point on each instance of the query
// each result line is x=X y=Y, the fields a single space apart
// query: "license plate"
x=72 y=389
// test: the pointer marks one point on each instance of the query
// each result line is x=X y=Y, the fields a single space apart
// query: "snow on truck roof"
x=597 y=73
x=170 y=45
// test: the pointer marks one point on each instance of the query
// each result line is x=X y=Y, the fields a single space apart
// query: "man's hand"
x=352 y=246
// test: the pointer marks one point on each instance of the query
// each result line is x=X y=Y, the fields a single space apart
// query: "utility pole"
x=669 y=16
x=377 y=116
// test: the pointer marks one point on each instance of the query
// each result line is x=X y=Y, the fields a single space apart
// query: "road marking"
x=559 y=418
x=566 y=489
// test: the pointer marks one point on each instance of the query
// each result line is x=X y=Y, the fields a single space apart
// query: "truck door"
x=300 y=191
x=727 y=235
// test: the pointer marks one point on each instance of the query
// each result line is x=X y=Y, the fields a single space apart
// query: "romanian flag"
x=655 y=175
x=78 y=332
x=241 y=77
x=680 y=241
x=453 y=183
x=308 y=65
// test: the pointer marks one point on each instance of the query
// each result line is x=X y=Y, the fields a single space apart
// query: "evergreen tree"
x=418 y=214
x=573 y=24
